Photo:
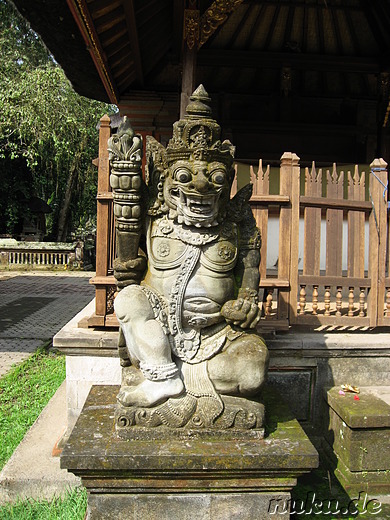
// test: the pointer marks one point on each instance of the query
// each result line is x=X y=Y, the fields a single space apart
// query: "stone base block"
x=373 y=483
x=359 y=432
x=193 y=476
x=215 y=506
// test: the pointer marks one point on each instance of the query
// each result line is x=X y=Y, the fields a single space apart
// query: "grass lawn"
x=24 y=392
x=71 y=507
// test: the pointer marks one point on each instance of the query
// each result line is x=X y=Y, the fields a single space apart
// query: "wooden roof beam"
x=109 y=21
x=352 y=32
x=337 y=31
x=289 y=24
x=113 y=35
x=254 y=29
x=123 y=56
x=374 y=24
x=272 y=27
x=232 y=40
x=128 y=6
x=87 y=29
x=116 y=47
x=214 y=16
x=100 y=7
x=126 y=79
x=271 y=60
x=382 y=13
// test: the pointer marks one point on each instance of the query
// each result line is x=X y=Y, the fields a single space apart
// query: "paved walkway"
x=34 y=306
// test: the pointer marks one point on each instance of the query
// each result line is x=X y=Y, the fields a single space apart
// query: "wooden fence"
x=333 y=203
x=298 y=291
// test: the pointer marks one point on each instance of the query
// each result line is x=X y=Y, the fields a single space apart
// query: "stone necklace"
x=186 y=344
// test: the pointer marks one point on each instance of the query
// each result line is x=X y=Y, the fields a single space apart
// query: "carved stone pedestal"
x=164 y=475
x=358 y=433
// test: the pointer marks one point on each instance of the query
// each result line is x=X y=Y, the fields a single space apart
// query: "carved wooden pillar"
x=289 y=235
x=125 y=154
x=377 y=241
x=190 y=46
x=103 y=215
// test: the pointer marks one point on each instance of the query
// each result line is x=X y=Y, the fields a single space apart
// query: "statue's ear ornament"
x=155 y=173
x=239 y=203
x=227 y=145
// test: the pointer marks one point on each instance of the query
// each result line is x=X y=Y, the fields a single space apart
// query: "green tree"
x=48 y=133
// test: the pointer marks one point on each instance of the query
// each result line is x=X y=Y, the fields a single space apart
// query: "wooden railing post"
x=378 y=238
x=103 y=214
x=260 y=183
x=334 y=224
x=289 y=235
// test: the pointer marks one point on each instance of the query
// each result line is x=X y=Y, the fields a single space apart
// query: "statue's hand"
x=242 y=313
x=129 y=272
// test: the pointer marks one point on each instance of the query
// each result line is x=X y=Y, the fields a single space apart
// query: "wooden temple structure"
x=310 y=76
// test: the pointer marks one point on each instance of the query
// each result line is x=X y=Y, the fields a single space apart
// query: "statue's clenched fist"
x=242 y=313
x=129 y=272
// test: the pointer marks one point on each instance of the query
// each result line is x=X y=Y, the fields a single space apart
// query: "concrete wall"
x=81 y=373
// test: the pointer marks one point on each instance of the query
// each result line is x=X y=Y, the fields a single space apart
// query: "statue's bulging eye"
x=182 y=175
x=218 y=177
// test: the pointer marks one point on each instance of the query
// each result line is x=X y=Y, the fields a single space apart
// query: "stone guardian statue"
x=188 y=302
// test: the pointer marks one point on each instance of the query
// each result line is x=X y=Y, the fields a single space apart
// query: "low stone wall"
x=303 y=364
x=40 y=255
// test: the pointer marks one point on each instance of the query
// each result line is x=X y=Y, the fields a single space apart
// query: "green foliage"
x=24 y=392
x=70 y=507
x=48 y=133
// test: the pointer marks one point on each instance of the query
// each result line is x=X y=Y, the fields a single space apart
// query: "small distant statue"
x=187 y=303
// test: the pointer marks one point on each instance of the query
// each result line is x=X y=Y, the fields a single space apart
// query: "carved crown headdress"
x=198 y=135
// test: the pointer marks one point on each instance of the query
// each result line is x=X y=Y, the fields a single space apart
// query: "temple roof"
x=114 y=49
x=334 y=47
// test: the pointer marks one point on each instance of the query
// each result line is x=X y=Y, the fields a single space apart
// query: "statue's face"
x=196 y=190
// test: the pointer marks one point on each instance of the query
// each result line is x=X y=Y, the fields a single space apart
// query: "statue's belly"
x=204 y=296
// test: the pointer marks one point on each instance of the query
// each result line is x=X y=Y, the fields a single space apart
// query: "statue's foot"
x=150 y=393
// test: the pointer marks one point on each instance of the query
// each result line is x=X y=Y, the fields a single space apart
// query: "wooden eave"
x=87 y=28
x=111 y=48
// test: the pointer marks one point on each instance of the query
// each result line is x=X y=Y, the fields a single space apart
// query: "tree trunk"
x=64 y=210
x=63 y=215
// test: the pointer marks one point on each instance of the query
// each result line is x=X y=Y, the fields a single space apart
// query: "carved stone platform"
x=192 y=475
